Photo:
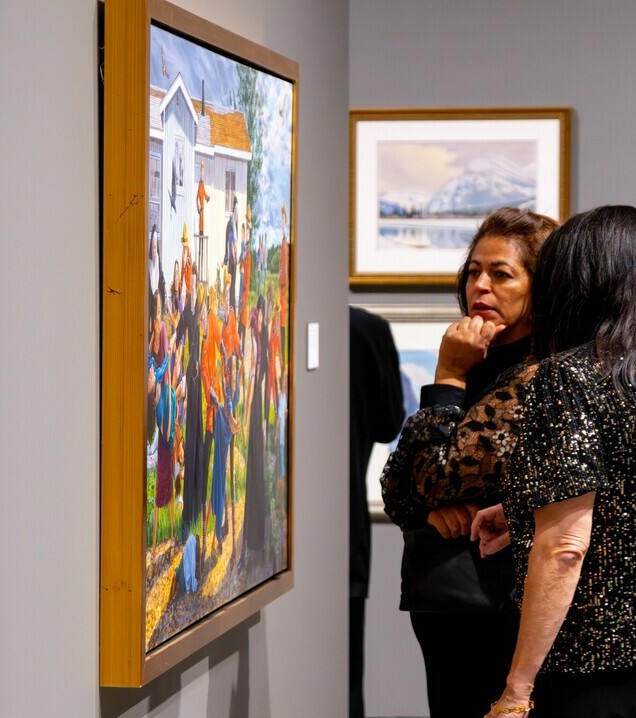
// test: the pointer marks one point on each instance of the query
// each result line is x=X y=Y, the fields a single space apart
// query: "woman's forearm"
x=550 y=585
x=554 y=566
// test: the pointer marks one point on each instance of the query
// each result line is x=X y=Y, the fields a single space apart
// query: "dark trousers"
x=606 y=694
x=467 y=657
x=356 y=657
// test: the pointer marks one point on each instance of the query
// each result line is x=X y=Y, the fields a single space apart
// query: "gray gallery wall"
x=492 y=53
x=291 y=660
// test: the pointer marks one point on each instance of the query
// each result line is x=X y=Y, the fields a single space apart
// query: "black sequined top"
x=579 y=435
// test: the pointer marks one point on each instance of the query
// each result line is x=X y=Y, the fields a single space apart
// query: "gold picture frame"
x=182 y=160
x=420 y=181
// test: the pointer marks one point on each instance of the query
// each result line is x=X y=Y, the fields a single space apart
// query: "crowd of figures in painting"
x=218 y=367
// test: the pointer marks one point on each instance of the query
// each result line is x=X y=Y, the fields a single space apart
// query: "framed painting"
x=417 y=332
x=421 y=181
x=197 y=318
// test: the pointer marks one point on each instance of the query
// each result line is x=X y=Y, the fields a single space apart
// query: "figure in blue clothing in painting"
x=225 y=426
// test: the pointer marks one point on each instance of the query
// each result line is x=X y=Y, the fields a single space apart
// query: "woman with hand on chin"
x=569 y=490
x=456 y=600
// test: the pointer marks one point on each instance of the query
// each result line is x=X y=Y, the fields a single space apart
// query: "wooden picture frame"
x=421 y=181
x=196 y=121
x=417 y=332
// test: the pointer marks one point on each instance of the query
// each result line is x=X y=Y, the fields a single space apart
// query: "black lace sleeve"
x=446 y=455
x=468 y=467
x=426 y=430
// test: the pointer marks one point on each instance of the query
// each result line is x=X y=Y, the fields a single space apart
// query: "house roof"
x=228 y=128
x=156 y=95
x=177 y=85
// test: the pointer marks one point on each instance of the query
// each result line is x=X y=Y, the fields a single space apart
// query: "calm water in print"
x=419 y=234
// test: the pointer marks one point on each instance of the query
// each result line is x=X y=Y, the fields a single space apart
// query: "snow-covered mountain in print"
x=489 y=182
x=402 y=204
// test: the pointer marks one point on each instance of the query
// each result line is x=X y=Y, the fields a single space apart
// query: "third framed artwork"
x=417 y=332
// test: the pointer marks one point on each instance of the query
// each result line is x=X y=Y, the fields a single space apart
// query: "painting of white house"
x=219 y=266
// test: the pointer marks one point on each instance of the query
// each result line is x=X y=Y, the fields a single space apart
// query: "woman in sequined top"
x=454 y=598
x=569 y=492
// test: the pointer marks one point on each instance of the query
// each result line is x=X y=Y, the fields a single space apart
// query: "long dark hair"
x=585 y=290
x=525 y=230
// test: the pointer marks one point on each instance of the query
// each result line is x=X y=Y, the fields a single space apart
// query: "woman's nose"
x=483 y=282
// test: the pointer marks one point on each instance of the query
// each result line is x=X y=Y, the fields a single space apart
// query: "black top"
x=437 y=573
x=376 y=415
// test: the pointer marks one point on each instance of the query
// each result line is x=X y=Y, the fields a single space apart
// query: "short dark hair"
x=585 y=289
x=524 y=229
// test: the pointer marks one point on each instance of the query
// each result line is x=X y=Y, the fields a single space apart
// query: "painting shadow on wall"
x=165 y=690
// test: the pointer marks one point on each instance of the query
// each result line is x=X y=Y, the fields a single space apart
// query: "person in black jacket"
x=376 y=415
x=461 y=606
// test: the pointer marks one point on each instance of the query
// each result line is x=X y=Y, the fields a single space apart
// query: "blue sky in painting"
x=196 y=63
x=418 y=368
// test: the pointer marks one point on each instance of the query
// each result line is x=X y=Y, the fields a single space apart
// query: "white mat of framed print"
x=421 y=181
x=417 y=331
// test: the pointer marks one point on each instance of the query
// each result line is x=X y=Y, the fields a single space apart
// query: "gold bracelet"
x=515 y=709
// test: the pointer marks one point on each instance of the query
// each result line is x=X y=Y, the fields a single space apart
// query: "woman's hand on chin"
x=464 y=345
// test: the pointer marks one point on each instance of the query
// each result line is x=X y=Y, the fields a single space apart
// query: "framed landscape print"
x=417 y=332
x=197 y=366
x=421 y=181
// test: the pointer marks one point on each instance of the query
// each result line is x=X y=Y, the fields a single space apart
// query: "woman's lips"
x=482 y=309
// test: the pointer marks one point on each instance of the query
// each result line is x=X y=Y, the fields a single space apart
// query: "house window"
x=155 y=177
x=230 y=189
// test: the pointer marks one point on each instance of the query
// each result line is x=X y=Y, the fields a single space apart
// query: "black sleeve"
x=446 y=455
